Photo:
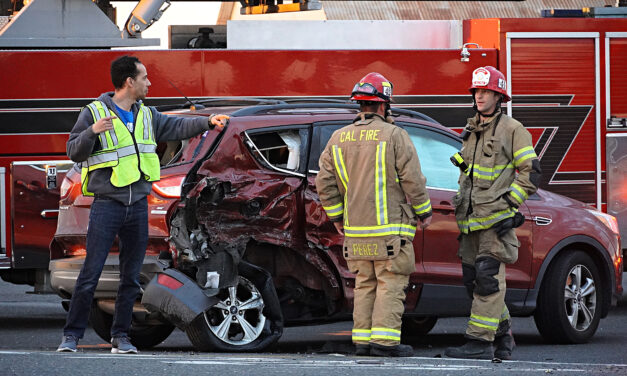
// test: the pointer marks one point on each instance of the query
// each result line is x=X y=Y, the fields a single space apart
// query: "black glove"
x=502 y=227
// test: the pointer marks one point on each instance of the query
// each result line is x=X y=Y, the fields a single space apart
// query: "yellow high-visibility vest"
x=130 y=156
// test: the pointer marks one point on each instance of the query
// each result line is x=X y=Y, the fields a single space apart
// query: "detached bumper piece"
x=177 y=297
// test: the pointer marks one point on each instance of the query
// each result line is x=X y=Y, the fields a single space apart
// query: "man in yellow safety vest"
x=115 y=140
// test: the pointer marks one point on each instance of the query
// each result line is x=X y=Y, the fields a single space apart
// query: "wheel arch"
x=598 y=254
x=304 y=263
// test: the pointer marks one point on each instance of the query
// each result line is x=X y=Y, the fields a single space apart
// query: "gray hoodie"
x=83 y=142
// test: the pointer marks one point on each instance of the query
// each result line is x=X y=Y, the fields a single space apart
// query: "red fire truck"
x=566 y=78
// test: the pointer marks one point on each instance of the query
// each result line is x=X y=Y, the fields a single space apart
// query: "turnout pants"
x=380 y=296
x=484 y=256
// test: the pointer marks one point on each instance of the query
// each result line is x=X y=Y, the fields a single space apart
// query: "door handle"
x=444 y=207
x=47 y=214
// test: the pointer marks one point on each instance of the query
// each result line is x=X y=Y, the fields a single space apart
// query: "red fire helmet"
x=372 y=87
x=489 y=78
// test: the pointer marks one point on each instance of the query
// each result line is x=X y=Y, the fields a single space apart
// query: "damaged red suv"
x=240 y=245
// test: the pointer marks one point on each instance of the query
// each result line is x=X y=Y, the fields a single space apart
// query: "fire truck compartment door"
x=34 y=202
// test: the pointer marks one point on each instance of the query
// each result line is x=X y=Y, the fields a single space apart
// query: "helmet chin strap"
x=497 y=109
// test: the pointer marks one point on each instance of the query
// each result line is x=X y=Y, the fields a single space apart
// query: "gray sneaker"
x=68 y=344
x=122 y=345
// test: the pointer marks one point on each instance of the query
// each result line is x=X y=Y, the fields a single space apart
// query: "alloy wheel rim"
x=238 y=318
x=580 y=297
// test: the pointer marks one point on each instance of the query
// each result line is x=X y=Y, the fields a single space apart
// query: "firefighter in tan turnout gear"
x=499 y=170
x=367 y=171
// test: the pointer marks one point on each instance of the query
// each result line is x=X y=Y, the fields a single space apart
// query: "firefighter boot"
x=504 y=345
x=393 y=351
x=473 y=349
x=362 y=350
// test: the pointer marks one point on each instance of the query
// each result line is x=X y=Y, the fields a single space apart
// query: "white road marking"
x=319 y=361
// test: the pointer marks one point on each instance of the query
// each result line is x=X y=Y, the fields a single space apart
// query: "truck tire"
x=569 y=308
x=237 y=323
x=414 y=326
x=144 y=337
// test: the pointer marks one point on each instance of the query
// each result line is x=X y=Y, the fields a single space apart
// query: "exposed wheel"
x=569 y=308
x=415 y=326
x=236 y=323
x=142 y=336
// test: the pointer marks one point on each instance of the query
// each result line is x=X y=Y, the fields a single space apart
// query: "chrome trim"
x=616 y=34
x=252 y=145
x=542 y=221
x=44 y=212
x=553 y=35
x=3 y=208
x=607 y=80
x=597 y=113
x=597 y=77
x=26 y=163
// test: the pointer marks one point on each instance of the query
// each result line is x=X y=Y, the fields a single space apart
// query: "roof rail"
x=257 y=110
x=240 y=101
x=413 y=114
x=221 y=101
x=315 y=100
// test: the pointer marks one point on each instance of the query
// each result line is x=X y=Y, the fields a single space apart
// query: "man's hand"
x=218 y=121
x=427 y=221
x=103 y=125
x=339 y=227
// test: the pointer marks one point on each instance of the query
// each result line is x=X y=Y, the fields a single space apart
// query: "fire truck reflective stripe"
x=335 y=210
x=380 y=185
x=517 y=193
x=484 y=223
x=386 y=333
x=339 y=166
x=383 y=230
x=484 y=322
x=422 y=208
x=361 y=334
x=523 y=154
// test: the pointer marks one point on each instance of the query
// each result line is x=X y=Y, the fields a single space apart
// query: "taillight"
x=169 y=187
x=66 y=186
x=169 y=282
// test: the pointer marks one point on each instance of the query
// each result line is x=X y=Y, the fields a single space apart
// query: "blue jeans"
x=107 y=219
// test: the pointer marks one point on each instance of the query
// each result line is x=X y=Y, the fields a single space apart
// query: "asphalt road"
x=31 y=327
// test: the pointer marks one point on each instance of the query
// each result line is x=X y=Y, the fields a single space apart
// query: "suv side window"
x=434 y=151
x=282 y=150
x=321 y=136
